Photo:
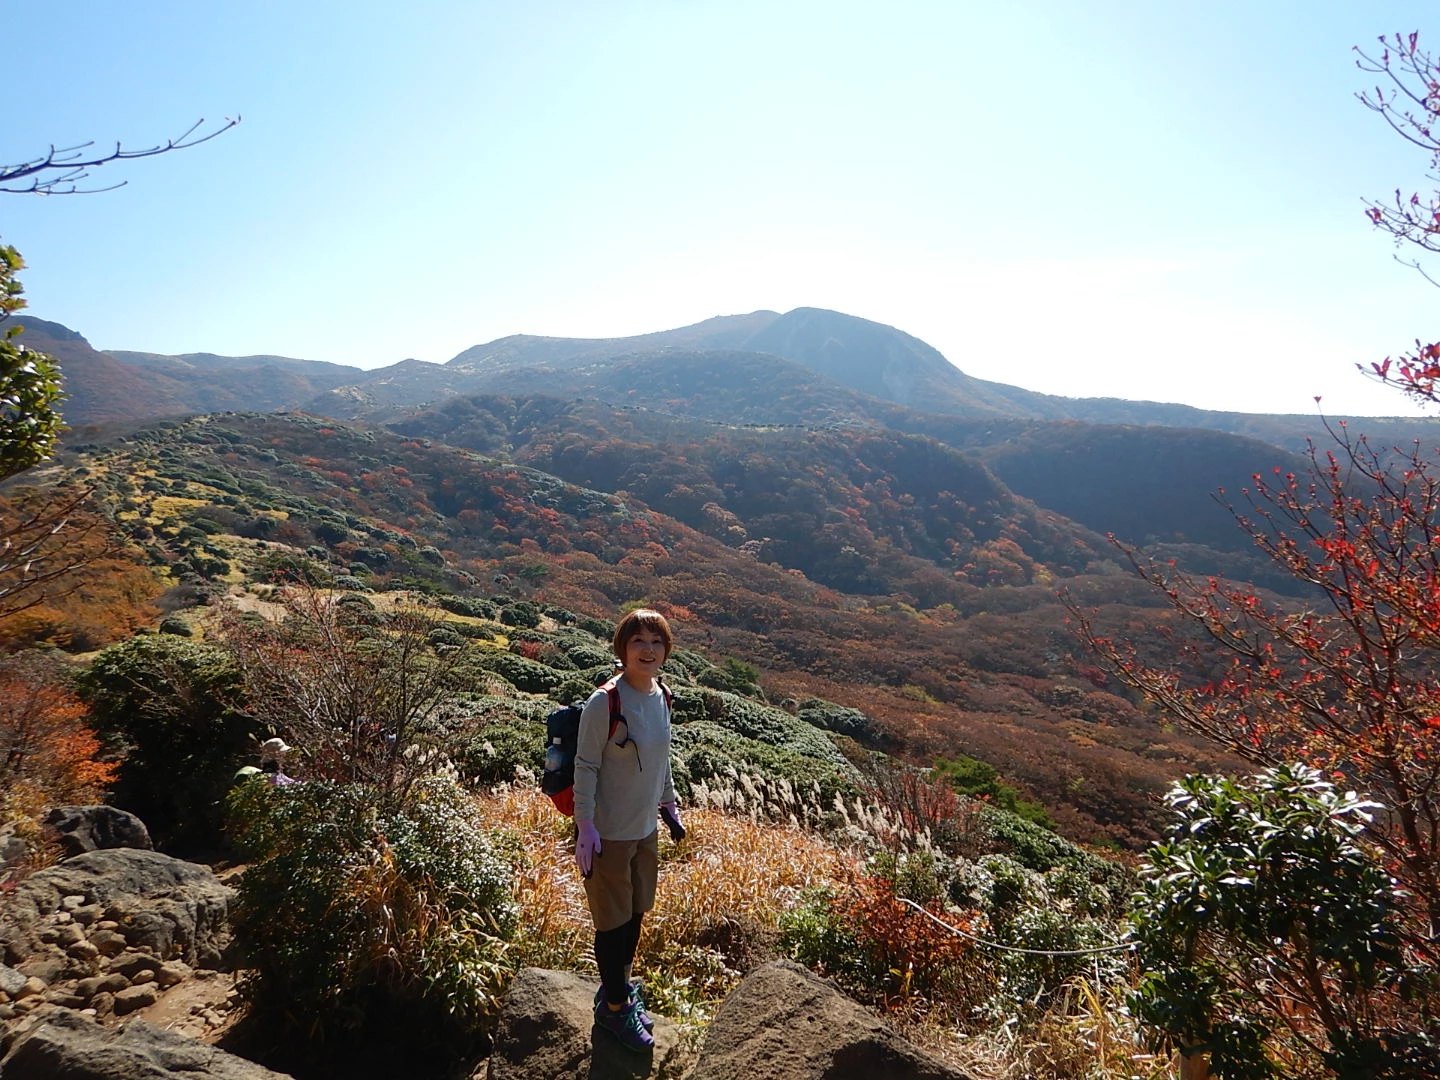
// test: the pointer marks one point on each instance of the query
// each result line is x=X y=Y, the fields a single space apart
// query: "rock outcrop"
x=78 y=829
x=116 y=899
x=547 y=1032
x=102 y=942
x=785 y=1023
x=68 y=1046
x=781 y=1023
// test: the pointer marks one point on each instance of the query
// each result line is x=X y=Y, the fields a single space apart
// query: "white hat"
x=271 y=747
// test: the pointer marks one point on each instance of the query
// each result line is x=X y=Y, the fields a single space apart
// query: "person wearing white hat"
x=272 y=761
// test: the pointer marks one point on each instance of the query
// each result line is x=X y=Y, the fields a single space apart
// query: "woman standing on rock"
x=621 y=777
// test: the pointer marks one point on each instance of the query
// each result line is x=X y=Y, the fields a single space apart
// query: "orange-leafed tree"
x=1347 y=680
x=48 y=752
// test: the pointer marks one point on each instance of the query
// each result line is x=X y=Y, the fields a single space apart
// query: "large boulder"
x=78 y=829
x=784 y=1023
x=547 y=1032
x=174 y=909
x=66 y=1045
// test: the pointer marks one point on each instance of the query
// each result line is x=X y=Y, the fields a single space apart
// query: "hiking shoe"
x=625 y=1025
x=646 y=1020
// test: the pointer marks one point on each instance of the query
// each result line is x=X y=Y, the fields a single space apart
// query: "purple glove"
x=587 y=846
x=671 y=815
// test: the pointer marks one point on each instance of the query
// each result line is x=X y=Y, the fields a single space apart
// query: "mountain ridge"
x=869 y=357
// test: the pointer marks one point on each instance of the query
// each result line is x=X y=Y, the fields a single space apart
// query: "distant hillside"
x=986 y=670
x=101 y=389
x=867 y=511
x=841 y=350
x=1146 y=481
x=886 y=363
x=524 y=350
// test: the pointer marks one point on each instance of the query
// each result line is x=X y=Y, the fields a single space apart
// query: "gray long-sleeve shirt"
x=618 y=787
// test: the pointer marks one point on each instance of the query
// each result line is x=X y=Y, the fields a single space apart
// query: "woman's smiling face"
x=644 y=653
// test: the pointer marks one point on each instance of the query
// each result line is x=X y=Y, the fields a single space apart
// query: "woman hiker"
x=621 y=779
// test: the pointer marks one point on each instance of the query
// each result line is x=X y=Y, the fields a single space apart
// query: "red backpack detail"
x=562 y=734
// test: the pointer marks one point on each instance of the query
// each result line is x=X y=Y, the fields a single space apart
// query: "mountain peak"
x=55 y=330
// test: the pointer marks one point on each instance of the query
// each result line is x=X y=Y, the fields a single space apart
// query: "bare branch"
x=60 y=170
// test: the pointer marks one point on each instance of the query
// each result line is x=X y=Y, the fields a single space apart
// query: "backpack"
x=562 y=736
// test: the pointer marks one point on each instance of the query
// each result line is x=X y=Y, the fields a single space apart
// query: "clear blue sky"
x=1148 y=200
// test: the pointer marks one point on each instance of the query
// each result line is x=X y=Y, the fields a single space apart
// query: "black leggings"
x=614 y=954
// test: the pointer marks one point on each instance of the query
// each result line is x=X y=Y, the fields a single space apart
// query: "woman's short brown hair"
x=636 y=621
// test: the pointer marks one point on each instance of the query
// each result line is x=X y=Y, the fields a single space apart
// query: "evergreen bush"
x=352 y=916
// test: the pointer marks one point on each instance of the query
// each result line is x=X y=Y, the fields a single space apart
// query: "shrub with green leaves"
x=498 y=751
x=521 y=613
x=828 y=716
x=173 y=706
x=1056 y=917
x=717 y=756
x=352 y=916
x=527 y=675
x=1269 y=935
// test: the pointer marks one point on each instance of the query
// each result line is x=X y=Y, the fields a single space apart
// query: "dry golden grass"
x=1087 y=1035
x=722 y=894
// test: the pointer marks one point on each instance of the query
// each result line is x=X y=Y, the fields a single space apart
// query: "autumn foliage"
x=48 y=753
x=1346 y=682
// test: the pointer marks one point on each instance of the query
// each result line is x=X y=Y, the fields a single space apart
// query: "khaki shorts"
x=622 y=880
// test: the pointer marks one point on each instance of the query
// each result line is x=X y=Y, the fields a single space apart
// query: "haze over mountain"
x=1144 y=470
x=836 y=350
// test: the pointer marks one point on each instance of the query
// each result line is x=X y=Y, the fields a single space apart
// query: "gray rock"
x=88 y=988
x=48 y=965
x=784 y=1023
x=10 y=980
x=132 y=964
x=134 y=998
x=68 y=1046
x=108 y=942
x=175 y=908
x=547 y=1031
x=78 y=829
x=13 y=849
x=172 y=974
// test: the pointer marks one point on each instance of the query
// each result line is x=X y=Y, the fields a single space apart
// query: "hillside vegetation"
x=971 y=658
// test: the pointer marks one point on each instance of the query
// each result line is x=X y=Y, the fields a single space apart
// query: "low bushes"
x=351 y=914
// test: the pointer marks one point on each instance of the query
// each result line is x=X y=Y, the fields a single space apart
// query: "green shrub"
x=734 y=676
x=707 y=752
x=575 y=689
x=682 y=661
x=828 y=716
x=286 y=567
x=1263 y=889
x=976 y=778
x=446 y=636
x=351 y=918
x=521 y=613
x=499 y=752
x=768 y=725
x=173 y=707
x=527 y=675
x=1058 y=914
x=585 y=653
x=465 y=605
